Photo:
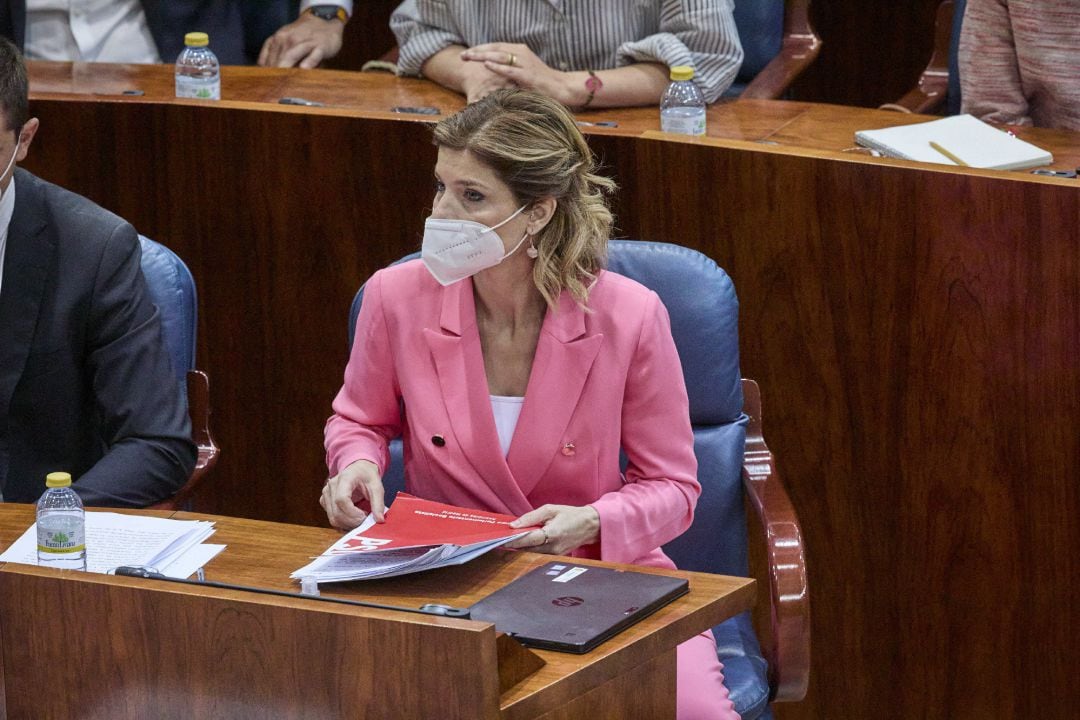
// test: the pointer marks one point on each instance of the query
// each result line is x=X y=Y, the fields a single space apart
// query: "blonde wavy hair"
x=534 y=146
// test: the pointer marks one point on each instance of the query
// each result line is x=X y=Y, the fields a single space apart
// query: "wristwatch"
x=329 y=12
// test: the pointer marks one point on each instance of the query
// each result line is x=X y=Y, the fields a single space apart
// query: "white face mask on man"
x=456 y=249
x=10 y=163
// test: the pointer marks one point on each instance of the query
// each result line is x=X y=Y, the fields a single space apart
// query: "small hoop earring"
x=531 y=251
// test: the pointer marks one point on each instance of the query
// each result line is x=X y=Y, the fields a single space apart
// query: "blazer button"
x=568 y=449
x=438 y=440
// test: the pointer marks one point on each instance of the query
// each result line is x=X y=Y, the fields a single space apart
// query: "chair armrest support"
x=798 y=50
x=788 y=647
x=198 y=392
x=929 y=95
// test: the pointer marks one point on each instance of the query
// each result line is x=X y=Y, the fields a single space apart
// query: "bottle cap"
x=196 y=39
x=58 y=479
x=682 y=72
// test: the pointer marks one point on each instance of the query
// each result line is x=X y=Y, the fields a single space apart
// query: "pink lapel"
x=460 y=366
x=564 y=356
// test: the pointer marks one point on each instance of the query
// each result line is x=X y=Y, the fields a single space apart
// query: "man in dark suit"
x=85 y=381
x=293 y=32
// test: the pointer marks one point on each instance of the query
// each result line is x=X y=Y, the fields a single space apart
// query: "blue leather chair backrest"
x=700 y=298
x=761 y=31
x=172 y=290
x=953 y=93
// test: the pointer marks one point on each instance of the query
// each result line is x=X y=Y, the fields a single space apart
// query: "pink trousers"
x=701 y=692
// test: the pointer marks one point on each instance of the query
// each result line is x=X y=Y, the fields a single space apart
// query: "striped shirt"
x=1020 y=62
x=573 y=35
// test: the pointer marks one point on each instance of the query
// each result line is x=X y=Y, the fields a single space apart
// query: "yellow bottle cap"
x=58 y=479
x=196 y=39
x=682 y=72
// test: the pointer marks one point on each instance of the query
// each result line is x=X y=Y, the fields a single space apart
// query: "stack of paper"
x=957 y=140
x=173 y=547
x=417 y=535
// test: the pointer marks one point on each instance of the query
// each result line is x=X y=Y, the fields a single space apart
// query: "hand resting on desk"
x=305 y=42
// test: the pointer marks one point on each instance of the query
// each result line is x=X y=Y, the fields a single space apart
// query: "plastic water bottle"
x=61 y=525
x=198 y=74
x=682 y=109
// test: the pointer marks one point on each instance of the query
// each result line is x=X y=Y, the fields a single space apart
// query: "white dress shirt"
x=89 y=31
x=7 y=209
x=506 y=409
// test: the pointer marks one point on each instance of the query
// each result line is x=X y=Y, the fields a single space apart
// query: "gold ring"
x=513 y=59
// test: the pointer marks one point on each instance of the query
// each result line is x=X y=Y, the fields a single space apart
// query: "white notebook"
x=959 y=140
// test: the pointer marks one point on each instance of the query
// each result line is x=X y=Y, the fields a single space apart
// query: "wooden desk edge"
x=765 y=146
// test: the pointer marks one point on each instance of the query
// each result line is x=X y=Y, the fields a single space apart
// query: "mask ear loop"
x=18 y=144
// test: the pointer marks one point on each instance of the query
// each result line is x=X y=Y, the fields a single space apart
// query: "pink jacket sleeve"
x=656 y=503
x=367 y=410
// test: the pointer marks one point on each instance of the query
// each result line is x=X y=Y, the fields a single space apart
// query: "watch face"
x=592 y=83
x=326 y=12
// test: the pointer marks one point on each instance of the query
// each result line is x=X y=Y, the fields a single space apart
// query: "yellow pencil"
x=948 y=154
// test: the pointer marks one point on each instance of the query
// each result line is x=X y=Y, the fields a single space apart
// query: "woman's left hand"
x=565 y=527
x=519 y=64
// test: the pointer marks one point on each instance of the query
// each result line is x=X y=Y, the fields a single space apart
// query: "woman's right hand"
x=358 y=481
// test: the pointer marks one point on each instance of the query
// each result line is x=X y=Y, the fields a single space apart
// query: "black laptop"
x=573 y=608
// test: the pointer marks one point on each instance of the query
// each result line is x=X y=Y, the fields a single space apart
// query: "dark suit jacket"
x=86 y=384
x=237 y=28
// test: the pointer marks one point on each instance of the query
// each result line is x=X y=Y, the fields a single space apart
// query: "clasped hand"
x=564 y=527
x=497 y=65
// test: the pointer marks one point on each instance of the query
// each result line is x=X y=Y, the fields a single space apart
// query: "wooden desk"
x=374 y=95
x=915 y=330
x=629 y=674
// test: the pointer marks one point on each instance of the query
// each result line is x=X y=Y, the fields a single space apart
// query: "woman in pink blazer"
x=515 y=367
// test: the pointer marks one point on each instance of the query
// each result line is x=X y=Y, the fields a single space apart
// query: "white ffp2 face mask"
x=456 y=249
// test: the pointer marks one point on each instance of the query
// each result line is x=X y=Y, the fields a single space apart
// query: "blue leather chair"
x=172 y=290
x=701 y=301
x=778 y=42
x=953 y=91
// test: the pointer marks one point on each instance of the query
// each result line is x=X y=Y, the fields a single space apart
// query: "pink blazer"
x=600 y=380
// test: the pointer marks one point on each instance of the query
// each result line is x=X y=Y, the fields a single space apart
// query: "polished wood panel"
x=374 y=95
x=262 y=554
x=914 y=327
x=596 y=705
x=125 y=648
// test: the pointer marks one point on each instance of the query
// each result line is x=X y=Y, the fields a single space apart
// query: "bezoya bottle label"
x=198 y=88
x=61 y=536
x=683 y=123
